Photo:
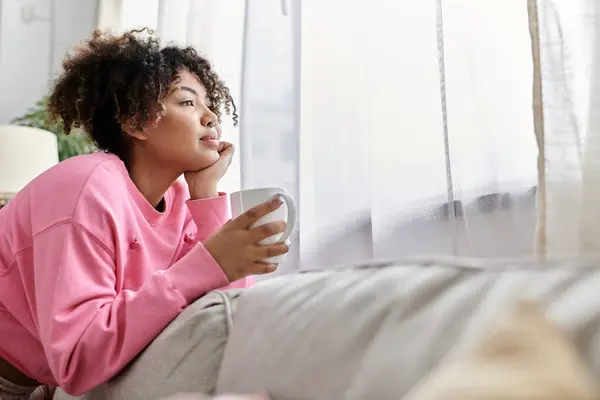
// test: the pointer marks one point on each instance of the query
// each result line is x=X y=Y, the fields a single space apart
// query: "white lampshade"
x=24 y=154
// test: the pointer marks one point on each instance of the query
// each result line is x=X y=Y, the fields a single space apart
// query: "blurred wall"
x=34 y=37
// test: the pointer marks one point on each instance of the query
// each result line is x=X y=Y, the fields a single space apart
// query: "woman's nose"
x=209 y=119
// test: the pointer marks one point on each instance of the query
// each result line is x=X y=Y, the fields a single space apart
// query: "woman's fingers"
x=248 y=218
x=267 y=230
x=225 y=148
x=261 y=268
x=262 y=252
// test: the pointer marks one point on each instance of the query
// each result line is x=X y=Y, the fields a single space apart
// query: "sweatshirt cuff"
x=196 y=274
x=210 y=214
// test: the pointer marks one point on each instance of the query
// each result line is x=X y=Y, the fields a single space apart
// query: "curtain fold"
x=568 y=46
x=270 y=139
x=538 y=120
x=109 y=14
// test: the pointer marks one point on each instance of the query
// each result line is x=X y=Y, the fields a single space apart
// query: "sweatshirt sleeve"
x=209 y=214
x=89 y=332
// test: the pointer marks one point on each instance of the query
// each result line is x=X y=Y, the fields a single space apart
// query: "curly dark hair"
x=111 y=81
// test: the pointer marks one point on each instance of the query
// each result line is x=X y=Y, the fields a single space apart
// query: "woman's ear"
x=130 y=129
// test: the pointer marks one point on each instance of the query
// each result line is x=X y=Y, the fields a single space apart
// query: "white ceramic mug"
x=244 y=200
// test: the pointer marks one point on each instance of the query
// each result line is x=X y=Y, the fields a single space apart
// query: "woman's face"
x=188 y=135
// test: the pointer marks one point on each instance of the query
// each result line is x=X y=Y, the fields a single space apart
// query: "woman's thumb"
x=228 y=149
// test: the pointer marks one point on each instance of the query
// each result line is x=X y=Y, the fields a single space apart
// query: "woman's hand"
x=235 y=246
x=203 y=183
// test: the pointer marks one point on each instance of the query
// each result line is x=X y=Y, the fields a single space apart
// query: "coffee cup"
x=244 y=200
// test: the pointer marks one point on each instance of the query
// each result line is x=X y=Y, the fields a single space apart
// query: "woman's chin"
x=205 y=161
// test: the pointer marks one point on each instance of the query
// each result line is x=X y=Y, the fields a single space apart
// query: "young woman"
x=101 y=252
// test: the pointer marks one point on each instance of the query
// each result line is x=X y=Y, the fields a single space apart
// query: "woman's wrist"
x=204 y=192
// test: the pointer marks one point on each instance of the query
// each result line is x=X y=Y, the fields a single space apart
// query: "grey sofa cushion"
x=374 y=332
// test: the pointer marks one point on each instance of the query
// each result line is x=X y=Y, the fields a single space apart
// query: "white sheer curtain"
x=568 y=39
x=417 y=123
x=377 y=171
x=403 y=128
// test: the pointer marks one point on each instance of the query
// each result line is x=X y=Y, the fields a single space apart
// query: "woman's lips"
x=210 y=141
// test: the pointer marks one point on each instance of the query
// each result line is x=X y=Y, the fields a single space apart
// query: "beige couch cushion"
x=375 y=332
x=522 y=357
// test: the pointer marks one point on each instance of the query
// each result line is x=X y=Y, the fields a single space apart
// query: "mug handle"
x=291 y=217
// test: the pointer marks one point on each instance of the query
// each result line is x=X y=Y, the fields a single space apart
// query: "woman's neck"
x=152 y=180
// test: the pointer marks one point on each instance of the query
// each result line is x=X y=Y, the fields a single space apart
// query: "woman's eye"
x=188 y=103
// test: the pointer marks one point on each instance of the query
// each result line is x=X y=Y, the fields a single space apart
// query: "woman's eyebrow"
x=189 y=89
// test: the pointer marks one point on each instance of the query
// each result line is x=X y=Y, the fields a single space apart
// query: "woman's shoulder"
x=69 y=179
x=98 y=180
x=57 y=193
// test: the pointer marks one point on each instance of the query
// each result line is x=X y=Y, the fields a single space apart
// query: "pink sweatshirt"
x=90 y=272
